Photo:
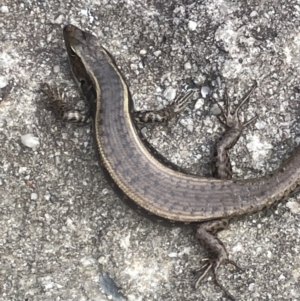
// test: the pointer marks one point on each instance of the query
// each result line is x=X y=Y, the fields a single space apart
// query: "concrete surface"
x=62 y=227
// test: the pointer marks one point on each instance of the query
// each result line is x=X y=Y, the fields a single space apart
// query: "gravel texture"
x=64 y=234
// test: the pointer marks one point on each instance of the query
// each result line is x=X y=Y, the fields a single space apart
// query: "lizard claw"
x=214 y=264
x=231 y=120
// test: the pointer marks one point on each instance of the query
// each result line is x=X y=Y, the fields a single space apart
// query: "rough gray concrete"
x=62 y=227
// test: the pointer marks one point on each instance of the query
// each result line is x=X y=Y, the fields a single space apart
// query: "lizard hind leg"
x=206 y=232
x=218 y=255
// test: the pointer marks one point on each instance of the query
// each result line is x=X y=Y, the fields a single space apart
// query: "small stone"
x=105 y=191
x=143 y=51
x=170 y=93
x=192 y=25
x=88 y=261
x=3 y=82
x=144 y=132
x=281 y=277
x=22 y=169
x=260 y=125
x=84 y=12
x=4 y=9
x=56 y=69
x=59 y=19
x=157 y=53
x=133 y=67
x=33 y=196
x=48 y=37
x=188 y=124
x=57 y=160
x=199 y=104
x=269 y=254
x=30 y=141
x=215 y=110
x=187 y=66
x=251 y=287
x=205 y=91
x=253 y=14
x=47 y=196
x=237 y=248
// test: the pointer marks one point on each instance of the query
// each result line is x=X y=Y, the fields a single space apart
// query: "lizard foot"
x=56 y=101
x=231 y=120
x=167 y=113
x=206 y=234
x=234 y=127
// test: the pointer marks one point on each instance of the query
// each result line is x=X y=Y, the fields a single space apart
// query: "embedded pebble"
x=170 y=93
x=205 y=91
x=47 y=196
x=59 y=19
x=173 y=254
x=56 y=69
x=33 y=196
x=3 y=82
x=187 y=66
x=22 y=169
x=281 y=277
x=253 y=14
x=269 y=254
x=4 y=9
x=188 y=124
x=215 y=110
x=199 y=104
x=133 y=66
x=192 y=25
x=260 y=125
x=30 y=141
x=157 y=53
